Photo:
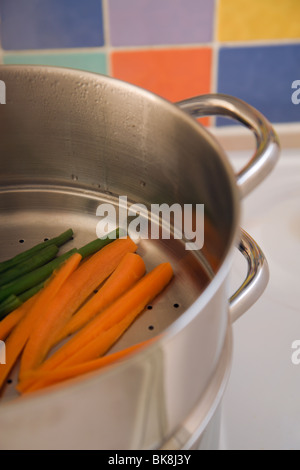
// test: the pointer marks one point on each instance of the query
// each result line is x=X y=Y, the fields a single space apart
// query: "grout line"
x=108 y=47
x=215 y=45
x=215 y=57
x=106 y=30
x=72 y=50
x=261 y=42
x=271 y=42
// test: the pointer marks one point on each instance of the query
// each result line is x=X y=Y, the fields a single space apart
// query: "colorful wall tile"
x=244 y=20
x=89 y=61
x=182 y=72
x=154 y=22
x=50 y=24
x=262 y=76
x=175 y=48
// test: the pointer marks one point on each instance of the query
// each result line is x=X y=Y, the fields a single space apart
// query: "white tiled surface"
x=261 y=406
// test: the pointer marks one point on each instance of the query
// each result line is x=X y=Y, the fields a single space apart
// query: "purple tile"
x=153 y=22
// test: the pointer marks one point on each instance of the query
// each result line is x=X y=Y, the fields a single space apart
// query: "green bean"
x=29 y=284
x=97 y=244
x=8 y=305
x=30 y=280
x=58 y=241
x=39 y=259
x=31 y=292
x=12 y=302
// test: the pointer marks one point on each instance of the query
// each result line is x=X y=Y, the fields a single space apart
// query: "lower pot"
x=93 y=413
x=201 y=429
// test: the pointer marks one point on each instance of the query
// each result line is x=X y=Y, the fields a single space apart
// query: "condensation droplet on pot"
x=74 y=177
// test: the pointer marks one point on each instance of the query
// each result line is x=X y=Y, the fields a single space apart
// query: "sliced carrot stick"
x=71 y=296
x=11 y=320
x=102 y=343
x=20 y=334
x=127 y=273
x=129 y=304
x=39 y=379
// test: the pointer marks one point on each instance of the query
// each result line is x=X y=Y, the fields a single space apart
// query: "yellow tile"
x=247 y=20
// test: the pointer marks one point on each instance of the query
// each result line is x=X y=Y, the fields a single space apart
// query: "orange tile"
x=174 y=74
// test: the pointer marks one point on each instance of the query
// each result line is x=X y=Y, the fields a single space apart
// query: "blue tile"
x=263 y=77
x=51 y=24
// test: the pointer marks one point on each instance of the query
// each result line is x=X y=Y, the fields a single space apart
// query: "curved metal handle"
x=256 y=280
x=267 y=144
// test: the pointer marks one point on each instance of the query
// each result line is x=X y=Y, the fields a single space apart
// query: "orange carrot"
x=102 y=343
x=128 y=305
x=70 y=297
x=128 y=272
x=39 y=379
x=20 y=334
x=11 y=320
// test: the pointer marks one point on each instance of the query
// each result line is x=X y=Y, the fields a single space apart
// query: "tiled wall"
x=176 y=48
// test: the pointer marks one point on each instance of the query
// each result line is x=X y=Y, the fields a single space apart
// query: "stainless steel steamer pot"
x=71 y=140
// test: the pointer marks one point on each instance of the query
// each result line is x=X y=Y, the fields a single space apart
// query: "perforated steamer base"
x=30 y=215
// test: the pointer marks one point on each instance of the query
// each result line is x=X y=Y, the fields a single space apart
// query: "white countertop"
x=261 y=406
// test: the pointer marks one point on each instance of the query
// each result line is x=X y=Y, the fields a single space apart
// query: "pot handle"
x=256 y=280
x=267 y=143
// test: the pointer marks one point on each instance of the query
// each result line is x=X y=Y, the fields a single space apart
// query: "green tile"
x=90 y=61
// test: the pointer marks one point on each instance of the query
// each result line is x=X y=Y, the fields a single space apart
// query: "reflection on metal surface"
x=256 y=280
x=267 y=151
x=200 y=430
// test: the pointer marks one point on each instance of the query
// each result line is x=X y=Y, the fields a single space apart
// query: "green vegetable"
x=31 y=292
x=33 y=278
x=39 y=259
x=58 y=241
x=17 y=291
x=97 y=244
x=12 y=302
x=8 y=305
